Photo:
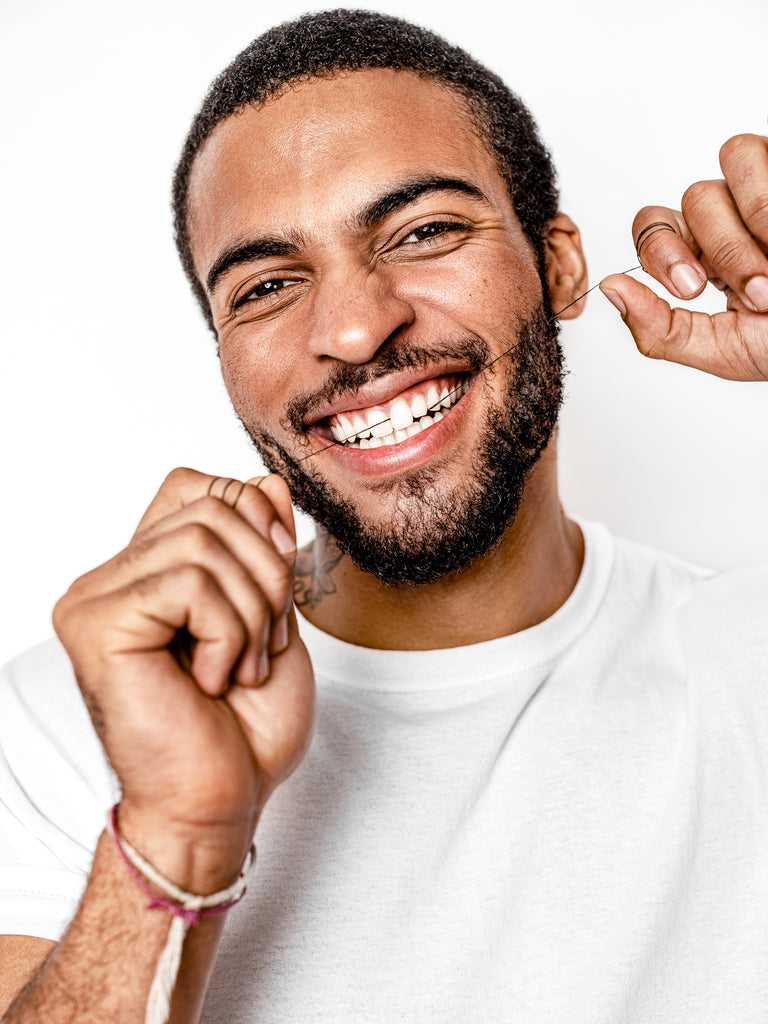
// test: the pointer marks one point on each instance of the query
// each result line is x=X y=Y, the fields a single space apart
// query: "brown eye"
x=263 y=290
x=432 y=230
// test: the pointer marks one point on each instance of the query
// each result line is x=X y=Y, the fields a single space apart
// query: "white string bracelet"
x=186 y=909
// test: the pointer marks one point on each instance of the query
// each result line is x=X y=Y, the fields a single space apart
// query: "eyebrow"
x=248 y=252
x=266 y=246
x=412 y=190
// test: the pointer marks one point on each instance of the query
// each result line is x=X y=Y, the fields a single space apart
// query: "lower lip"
x=388 y=459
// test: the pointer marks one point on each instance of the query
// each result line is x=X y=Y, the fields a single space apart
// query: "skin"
x=222 y=720
x=348 y=291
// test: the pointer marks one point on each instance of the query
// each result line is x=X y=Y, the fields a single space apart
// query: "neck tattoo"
x=314 y=565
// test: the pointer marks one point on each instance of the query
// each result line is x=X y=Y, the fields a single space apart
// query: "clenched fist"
x=187 y=652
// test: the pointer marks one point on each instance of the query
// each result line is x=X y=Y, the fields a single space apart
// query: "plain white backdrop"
x=108 y=373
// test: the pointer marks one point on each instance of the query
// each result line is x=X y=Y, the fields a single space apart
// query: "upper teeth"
x=406 y=418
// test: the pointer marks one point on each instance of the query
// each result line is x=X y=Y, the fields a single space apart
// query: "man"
x=536 y=785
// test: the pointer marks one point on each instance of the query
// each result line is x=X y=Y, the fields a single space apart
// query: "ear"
x=566 y=267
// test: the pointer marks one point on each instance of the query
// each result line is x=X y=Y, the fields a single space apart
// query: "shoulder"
x=715 y=613
x=725 y=622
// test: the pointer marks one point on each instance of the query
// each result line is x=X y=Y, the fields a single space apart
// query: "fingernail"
x=685 y=279
x=756 y=290
x=282 y=540
x=616 y=299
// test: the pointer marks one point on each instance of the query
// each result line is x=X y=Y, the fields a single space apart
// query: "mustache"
x=347 y=378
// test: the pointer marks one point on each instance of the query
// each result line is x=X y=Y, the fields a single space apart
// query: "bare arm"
x=103 y=967
x=21 y=956
x=187 y=651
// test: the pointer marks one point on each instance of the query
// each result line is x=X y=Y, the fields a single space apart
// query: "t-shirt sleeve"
x=55 y=789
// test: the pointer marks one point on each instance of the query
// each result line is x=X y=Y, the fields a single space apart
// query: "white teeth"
x=360 y=425
x=381 y=429
x=406 y=419
x=379 y=425
x=346 y=425
x=418 y=407
x=400 y=415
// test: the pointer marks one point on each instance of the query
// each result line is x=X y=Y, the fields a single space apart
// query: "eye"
x=432 y=231
x=263 y=290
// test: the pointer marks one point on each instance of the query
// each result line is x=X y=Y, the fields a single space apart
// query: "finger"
x=667 y=251
x=181 y=487
x=731 y=345
x=727 y=248
x=252 y=532
x=263 y=502
x=255 y=578
x=252 y=499
x=141 y=621
x=276 y=489
x=184 y=486
x=744 y=162
x=285 y=706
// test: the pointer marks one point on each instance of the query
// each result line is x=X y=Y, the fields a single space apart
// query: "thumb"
x=659 y=331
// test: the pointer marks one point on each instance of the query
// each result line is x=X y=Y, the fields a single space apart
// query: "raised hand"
x=719 y=235
x=186 y=649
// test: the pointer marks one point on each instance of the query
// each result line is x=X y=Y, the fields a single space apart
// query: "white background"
x=107 y=371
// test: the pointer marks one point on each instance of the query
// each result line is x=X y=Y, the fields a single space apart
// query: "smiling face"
x=363 y=261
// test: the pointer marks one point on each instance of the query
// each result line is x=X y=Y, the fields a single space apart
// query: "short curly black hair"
x=327 y=43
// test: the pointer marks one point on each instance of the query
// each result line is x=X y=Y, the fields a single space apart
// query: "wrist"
x=201 y=859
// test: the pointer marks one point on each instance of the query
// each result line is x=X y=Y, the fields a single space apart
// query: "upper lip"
x=384 y=389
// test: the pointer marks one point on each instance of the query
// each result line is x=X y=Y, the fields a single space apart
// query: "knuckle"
x=59 y=615
x=737 y=146
x=195 y=580
x=643 y=217
x=755 y=213
x=696 y=196
x=211 y=506
x=178 y=476
x=199 y=538
x=727 y=253
x=71 y=623
x=68 y=601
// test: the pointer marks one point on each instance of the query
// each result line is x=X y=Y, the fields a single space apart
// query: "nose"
x=355 y=314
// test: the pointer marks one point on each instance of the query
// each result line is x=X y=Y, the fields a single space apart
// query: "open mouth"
x=415 y=410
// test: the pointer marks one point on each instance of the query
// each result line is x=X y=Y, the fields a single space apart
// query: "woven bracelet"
x=185 y=908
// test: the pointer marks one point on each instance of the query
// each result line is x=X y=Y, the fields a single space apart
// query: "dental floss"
x=432 y=408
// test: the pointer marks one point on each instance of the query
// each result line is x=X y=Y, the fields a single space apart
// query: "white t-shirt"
x=569 y=824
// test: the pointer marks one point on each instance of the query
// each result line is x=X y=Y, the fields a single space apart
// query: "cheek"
x=252 y=379
x=489 y=294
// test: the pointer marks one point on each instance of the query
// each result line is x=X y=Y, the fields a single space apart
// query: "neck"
x=521 y=582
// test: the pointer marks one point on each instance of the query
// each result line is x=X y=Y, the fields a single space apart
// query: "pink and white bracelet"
x=186 y=909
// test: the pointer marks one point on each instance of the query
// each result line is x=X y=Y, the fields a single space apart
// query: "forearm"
x=102 y=969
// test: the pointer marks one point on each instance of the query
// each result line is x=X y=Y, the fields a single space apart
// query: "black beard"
x=434 y=534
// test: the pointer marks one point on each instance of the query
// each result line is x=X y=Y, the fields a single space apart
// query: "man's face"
x=363 y=259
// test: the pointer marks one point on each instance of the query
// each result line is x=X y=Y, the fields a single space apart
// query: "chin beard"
x=433 y=533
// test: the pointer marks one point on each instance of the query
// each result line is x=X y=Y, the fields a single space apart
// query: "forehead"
x=322 y=148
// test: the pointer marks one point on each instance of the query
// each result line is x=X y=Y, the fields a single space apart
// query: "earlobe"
x=566 y=267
